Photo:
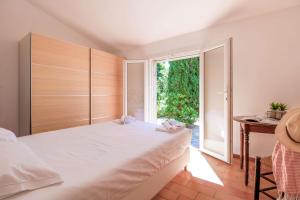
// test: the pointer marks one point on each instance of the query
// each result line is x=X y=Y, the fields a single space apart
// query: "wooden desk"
x=245 y=129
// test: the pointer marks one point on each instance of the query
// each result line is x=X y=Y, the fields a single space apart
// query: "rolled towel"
x=170 y=126
x=175 y=123
x=162 y=128
x=167 y=125
x=126 y=119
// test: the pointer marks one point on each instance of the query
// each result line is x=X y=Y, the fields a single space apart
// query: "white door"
x=135 y=89
x=215 y=101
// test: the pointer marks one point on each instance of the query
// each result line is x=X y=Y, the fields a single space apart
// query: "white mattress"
x=103 y=161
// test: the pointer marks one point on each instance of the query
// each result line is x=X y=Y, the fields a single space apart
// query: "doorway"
x=176 y=79
x=177 y=92
x=194 y=88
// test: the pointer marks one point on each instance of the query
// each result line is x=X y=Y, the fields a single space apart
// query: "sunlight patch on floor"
x=200 y=168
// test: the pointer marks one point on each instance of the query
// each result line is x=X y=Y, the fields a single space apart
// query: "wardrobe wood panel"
x=104 y=119
x=49 y=80
x=106 y=86
x=60 y=76
x=51 y=52
x=106 y=108
x=105 y=63
x=57 y=112
x=25 y=86
x=65 y=85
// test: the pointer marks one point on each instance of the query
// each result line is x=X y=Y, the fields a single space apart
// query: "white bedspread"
x=103 y=161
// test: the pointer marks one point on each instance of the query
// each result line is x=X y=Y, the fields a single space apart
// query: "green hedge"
x=178 y=90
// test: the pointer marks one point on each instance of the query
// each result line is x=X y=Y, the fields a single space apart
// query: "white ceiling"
x=124 y=24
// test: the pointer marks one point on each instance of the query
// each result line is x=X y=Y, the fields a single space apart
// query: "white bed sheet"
x=103 y=161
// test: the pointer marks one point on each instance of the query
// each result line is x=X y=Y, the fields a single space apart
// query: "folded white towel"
x=167 y=125
x=174 y=122
x=162 y=128
x=125 y=120
x=171 y=126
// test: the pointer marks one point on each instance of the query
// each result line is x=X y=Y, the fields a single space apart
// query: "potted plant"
x=281 y=110
x=277 y=110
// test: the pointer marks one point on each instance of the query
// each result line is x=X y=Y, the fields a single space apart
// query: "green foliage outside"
x=178 y=90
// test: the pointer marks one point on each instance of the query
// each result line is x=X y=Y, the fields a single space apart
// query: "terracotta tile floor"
x=209 y=179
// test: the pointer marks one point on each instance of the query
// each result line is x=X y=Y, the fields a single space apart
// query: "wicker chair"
x=267 y=161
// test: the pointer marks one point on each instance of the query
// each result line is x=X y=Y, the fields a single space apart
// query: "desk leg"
x=241 y=146
x=246 y=145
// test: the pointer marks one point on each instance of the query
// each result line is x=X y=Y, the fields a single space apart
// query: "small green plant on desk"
x=274 y=106
x=277 y=110
x=282 y=107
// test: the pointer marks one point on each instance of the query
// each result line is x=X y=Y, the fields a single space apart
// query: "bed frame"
x=154 y=184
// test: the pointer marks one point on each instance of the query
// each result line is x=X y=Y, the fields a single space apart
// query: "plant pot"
x=280 y=114
x=275 y=114
x=271 y=114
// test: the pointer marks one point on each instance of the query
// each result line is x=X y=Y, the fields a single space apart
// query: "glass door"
x=135 y=89
x=215 y=102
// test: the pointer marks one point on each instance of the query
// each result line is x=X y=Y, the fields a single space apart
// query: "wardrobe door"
x=106 y=86
x=60 y=84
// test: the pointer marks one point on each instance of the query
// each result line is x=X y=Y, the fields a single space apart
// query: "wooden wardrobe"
x=65 y=85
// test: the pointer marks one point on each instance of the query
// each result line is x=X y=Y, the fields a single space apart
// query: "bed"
x=109 y=161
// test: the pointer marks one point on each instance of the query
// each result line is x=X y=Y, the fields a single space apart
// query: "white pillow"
x=21 y=169
x=7 y=135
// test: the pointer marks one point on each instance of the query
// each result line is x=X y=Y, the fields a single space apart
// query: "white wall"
x=266 y=64
x=17 y=18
